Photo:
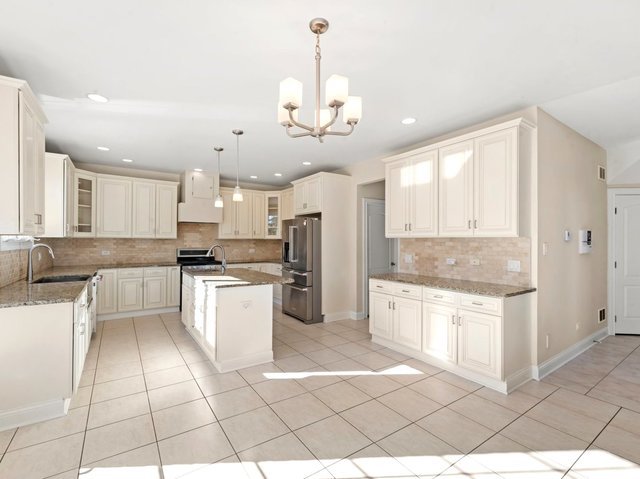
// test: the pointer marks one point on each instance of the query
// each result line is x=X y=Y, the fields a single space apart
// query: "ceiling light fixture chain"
x=237 y=192
x=336 y=96
x=219 y=202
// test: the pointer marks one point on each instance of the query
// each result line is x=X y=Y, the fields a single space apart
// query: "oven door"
x=297 y=301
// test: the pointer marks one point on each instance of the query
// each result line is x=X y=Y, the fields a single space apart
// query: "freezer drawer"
x=298 y=301
x=300 y=278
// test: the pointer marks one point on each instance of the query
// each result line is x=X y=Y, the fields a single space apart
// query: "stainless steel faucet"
x=224 y=258
x=30 y=263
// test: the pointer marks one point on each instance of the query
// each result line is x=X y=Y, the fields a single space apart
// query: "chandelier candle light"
x=336 y=96
x=219 y=203
x=237 y=192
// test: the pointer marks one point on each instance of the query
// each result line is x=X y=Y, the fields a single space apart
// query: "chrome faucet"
x=30 y=263
x=224 y=260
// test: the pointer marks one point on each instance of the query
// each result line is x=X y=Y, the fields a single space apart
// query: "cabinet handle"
x=378 y=286
x=409 y=226
x=469 y=224
x=192 y=184
x=477 y=303
x=405 y=226
x=475 y=224
x=453 y=319
x=389 y=305
x=394 y=305
x=459 y=321
x=406 y=291
x=438 y=296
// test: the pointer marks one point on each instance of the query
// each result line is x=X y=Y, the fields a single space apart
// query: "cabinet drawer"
x=155 y=272
x=439 y=296
x=130 y=273
x=485 y=304
x=407 y=290
x=380 y=286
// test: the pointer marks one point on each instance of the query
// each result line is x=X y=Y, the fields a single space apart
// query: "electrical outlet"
x=105 y=252
x=545 y=249
x=474 y=262
x=513 y=265
x=602 y=315
x=451 y=261
x=408 y=258
x=252 y=250
x=546 y=341
x=577 y=326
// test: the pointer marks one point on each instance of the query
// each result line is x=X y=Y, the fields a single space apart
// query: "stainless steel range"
x=301 y=262
x=193 y=257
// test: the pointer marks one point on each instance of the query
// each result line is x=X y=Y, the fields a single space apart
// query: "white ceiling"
x=181 y=75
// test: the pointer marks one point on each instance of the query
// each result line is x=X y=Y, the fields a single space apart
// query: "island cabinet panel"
x=108 y=291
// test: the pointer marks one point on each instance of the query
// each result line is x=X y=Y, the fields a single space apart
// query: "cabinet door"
x=187 y=302
x=28 y=168
x=107 y=292
x=259 y=215
x=287 y=204
x=155 y=292
x=456 y=190
x=129 y=294
x=202 y=185
x=480 y=343
x=407 y=322
x=69 y=191
x=144 y=210
x=273 y=215
x=440 y=331
x=496 y=184
x=397 y=186
x=314 y=196
x=227 y=228
x=84 y=200
x=38 y=187
x=244 y=217
x=380 y=315
x=166 y=211
x=423 y=220
x=114 y=208
x=300 y=198
x=173 y=286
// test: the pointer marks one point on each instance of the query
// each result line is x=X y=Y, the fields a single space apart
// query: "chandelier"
x=336 y=97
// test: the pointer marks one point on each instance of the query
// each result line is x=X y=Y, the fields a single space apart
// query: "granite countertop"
x=247 y=277
x=237 y=261
x=459 y=285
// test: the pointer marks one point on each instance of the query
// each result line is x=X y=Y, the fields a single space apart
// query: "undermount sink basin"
x=69 y=278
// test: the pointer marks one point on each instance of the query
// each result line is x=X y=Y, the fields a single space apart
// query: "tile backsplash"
x=77 y=251
x=13 y=264
x=430 y=256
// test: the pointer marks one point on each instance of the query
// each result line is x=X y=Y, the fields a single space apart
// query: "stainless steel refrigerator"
x=301 y=258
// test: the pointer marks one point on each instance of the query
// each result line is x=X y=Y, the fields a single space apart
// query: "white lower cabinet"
x=407 y=322
x=380 y=315
x=173 y=286
x=129 y=294
x=479 y=343
x=108 y=291
x=155 y=288
x=440 y=332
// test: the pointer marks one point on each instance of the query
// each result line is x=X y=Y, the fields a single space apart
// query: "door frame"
x=395 y=245
x=612 y=195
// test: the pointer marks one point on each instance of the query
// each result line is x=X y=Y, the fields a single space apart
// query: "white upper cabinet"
x=307 y=195
x=166 y=210
x=244 y=216
x=412 y=196
x=259 y=215
x=58 y=189
x=84 y=201
x=273 y=215
x=114 y=207
x=456 y=189
x=22 y=186
x=287 y=208
x=144 y=209
x=237 y=216
x=197 y=195
x=496 y=184
x=227 y=227
x=202 y=185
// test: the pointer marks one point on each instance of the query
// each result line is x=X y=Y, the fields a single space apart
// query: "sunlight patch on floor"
x=400 y=370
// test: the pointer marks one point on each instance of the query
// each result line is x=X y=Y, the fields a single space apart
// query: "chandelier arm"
x=341 y=133
x=334 y=117
x=297 y=135
x=294 y=122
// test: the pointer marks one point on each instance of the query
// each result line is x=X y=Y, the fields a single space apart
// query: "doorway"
x=625 y=259
x=380 y=254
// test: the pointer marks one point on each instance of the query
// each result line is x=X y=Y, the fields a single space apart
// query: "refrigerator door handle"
x=292 y=244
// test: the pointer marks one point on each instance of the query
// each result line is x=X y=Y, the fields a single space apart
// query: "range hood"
x=198 y=190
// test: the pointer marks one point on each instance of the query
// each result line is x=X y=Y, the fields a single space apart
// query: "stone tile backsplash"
x=78 y=251
x=430 y=256
x=13 y=264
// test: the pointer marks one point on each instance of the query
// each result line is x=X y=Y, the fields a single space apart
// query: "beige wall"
x=571 y=287
x=75 y=251
x=430 y=255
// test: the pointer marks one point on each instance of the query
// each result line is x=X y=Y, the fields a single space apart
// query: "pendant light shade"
x=219 y=203
x=237 y=192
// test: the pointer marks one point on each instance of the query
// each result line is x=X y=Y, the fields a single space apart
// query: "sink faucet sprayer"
x=224 y=260
x=30 y=263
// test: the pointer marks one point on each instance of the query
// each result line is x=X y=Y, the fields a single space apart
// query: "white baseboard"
x=562 y=358
x=133 y=314
x=358 y=315
x=32 y=414
x=245 y=362
x=517 y=379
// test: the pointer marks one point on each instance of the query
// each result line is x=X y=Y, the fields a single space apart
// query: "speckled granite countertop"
x=247 y=277
x=459 y=285
x=237 y=261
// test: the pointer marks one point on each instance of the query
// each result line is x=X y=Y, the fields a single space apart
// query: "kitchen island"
x=230 y=314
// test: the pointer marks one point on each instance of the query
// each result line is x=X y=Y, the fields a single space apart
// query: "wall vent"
x=602 y=173
x=602 y=315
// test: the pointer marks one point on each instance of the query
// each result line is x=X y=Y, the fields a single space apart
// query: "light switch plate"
x=408 y=258
x=451 y=261
x=105 y=252
x=252 y=250
x=513 y=265
x=474 y=262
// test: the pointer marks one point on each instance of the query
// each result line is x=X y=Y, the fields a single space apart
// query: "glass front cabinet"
x=85 y=205
x=274 y=216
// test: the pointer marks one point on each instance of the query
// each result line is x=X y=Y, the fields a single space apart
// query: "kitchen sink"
x=68 y=278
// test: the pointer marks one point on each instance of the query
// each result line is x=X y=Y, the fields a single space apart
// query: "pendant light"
x=237 y=192
x=219 y=203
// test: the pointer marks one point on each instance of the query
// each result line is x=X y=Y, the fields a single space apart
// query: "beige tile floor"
x=332 y=405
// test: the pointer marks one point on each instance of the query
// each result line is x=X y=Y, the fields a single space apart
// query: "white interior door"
x=627 y=258
x=381 y=252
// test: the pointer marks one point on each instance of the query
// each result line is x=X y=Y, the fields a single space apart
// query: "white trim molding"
x=133 y=314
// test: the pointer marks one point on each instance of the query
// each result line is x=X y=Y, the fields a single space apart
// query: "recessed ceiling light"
x=197 y=169
x=408 y=121
x=98 y=98
x=103 y=148
x=253 y=177
x=306 y=163
x=127 y=160
x=277 y=174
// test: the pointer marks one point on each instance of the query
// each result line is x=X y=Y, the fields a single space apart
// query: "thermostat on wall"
x=584 y=241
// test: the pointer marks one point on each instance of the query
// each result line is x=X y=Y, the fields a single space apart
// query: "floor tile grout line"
x=611 y=370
